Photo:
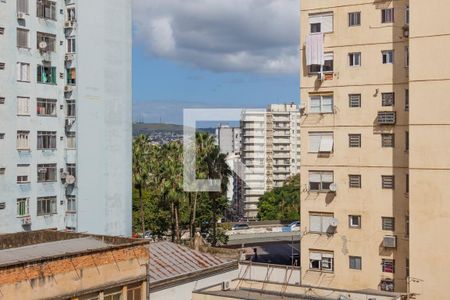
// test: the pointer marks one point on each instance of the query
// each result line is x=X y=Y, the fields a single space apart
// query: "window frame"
x=388 y=182
x=354 y=59
x=50 y=174
x=18 y=43
x=351 y=97
x=46 y=206
x=352 y=17
x=46 y=140
x=20 y=146
x=351 y=219
x=387 y=15
x=388 y=223
x=322 y=107
x=329 y=256
x=21 y=75
x=321 y=183
x=22 y=205
x=352 y=184
x=388 y=265
x=46 y=105
x=357 y=262
x=387 y=140
x=45 y=69
x=387 y=57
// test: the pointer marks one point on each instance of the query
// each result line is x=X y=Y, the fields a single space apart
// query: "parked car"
x=240 y=226
x=294 y=225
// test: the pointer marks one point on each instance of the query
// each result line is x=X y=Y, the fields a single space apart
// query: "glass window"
x=388 y=265
x=22 y=38
x=23 y=72
x=46 y=140
x=387 y=56
x=320 y=181
x=354 y=221
x=321 y=104
x=46 y=173
x=46 y=206
x=354 y=18
x=355 y=262
x=23 y=207
x=46 y=107
x=354 y=59
x=387 y=15
x=46 y=74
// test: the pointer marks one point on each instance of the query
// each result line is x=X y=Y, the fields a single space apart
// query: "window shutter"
x=315 y=256
x=314 y=177
x=327 y=22
x=54 y=75
x=327 y=177
x=326 y=144
x=314 y=142
x=326 y=220
x=315 y=223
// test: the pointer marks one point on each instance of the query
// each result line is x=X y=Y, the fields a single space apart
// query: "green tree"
x=281 y=203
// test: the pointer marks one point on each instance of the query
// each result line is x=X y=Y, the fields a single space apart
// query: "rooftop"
x=172 y=262
x=35 y=246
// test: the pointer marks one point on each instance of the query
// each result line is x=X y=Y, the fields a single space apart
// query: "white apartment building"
x=65 y=115
x=270 y=151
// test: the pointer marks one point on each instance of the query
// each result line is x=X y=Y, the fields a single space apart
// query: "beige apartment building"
x=373 y=209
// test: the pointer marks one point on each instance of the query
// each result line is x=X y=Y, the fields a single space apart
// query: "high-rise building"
x=370 y=80
x=270 y=151
x=65 y=115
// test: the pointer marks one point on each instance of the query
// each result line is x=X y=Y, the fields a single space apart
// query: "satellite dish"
x=333 y=187
x=334 y=222
x=70 y=179
x=43 y=45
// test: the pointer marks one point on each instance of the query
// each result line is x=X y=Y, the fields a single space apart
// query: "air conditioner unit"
x=225 y=286
x=26 y=221
x=21 y=15
x=390 y=241
x=68 y=88
x=69 y=57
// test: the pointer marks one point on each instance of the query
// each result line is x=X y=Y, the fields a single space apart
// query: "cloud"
x=258 y=36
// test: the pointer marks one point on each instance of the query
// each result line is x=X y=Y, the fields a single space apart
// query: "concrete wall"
x=104 y=122
x=371 y=161
x=430 y=144
x=184 y=291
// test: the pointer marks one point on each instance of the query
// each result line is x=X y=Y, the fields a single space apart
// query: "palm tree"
x=141 y=170
x=217 y=169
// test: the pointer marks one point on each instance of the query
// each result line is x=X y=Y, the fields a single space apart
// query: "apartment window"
x=322 y=22
x=46 y=140
x=46 y=74
x=354 y=59
x=321 y=104
x=388 y=182
x=406 y=226
x=2 y=30
x=71 y=76
x=46 y=9
x=70 y=108
x=320 y=142
x=354 y=100
x=71 y=16
x=354 y=221
x=354 y=140
x=46 y=107
x=321 y=261
x=387 y=15
x=319 y=181
x=71 y=169
x=134 y=293
x=406 y=140
x=354 y=181
x=71 y=140
x=2 y=100
x=387 y=285
x=23 y=72
x=406 y=99
x=23 y=207
x=46 y=172
x=320 y=222
x=388 y=265
x=2 y=171
x=355 y=262
x=23 y=38
x=406 y=56
x=23 y=140
x=327 y=67
x=387 y=140
x=387 y=56
x=388 y=223
x=23 y=106
x=22 y=6
x=71 y=204
x=110 y=295
x=49 y=39
x=407 y=15
x=387 y=99
x=23 y=172
x=46 y=206
x=2 y=136
x=407 y=183
x=71 y=45
x=354 y=18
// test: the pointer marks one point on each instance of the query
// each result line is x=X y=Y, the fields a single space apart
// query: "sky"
x=213 y=54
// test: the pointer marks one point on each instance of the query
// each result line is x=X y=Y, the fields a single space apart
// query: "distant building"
x=229 y=141
x=65 y=116
x=50 y=264
x=270 y=151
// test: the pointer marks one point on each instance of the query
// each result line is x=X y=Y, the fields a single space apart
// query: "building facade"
x=270 y=151
x=355 y=201
x=65 y=116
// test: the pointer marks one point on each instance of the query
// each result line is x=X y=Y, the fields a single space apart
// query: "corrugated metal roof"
x=50 y=249
x=169 y=260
